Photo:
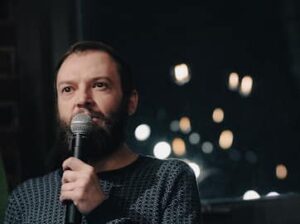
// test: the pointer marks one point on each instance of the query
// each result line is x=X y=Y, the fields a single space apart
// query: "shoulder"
x=30 y=187
x=167 y=166
x=29 y=194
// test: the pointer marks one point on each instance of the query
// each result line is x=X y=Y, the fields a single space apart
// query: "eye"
x=100 y=85
x=66 y=89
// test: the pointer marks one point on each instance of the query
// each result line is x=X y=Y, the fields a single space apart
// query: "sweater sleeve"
x=13 y=213
x=182 y=203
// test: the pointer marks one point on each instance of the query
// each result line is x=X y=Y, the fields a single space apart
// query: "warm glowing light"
x=246 y=86
x=218 y=115
x=226 y=139
x=207 y=147
x=194 y=138
x=178 y=146
x=174 y=126
x=233 y=81
x=181 y=74
x=251 y=195
x=185 y=125
x=281 y=171
x=272 y=194
x=162 y=150
x=142 y=132
x=195 y=167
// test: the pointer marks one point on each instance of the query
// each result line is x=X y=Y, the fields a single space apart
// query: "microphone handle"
x=72 y=215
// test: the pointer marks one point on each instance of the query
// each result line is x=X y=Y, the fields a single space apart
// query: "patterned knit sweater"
x=146 y=191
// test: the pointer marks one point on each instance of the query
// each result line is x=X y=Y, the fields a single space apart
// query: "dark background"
x=256 y=37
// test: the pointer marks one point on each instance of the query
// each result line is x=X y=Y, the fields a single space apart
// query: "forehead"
x=88 y=63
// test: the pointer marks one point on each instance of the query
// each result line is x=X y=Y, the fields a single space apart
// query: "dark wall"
x=33 y=35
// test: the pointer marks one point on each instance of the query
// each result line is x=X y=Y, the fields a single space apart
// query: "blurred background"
x=219 y=85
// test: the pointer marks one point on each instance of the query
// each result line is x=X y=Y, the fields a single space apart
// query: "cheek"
x=109 y=105
x=62 y=109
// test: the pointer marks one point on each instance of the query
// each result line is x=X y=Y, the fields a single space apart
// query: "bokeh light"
x=226 y=139
x=178 y=146
x=195 y=167
x=218 y=115
x=272 y=194
x=142 y=132
x=251 y=195
x=233 y=81
x=194 y=138
x=246 y=86
x=281 y=171
x=162 y=150
x=207 y=147
x=185 y=125
x=181 y=74
x=174 y=125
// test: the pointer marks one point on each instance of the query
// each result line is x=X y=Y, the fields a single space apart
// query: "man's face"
x=88 y=82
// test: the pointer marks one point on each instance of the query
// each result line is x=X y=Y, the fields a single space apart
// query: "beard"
x=100 y=143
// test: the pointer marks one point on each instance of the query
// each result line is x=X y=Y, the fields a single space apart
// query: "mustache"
x=95 y=114
x=90 y=113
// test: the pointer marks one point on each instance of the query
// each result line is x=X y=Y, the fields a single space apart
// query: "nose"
x=84 y=99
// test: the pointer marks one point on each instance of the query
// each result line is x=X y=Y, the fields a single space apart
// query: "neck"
x=121 y=158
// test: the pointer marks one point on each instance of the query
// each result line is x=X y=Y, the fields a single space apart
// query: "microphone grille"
x=81 y=124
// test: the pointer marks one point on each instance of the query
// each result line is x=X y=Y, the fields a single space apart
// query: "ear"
x=133 y=102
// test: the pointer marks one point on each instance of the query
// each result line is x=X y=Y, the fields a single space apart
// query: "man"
x=111 y=183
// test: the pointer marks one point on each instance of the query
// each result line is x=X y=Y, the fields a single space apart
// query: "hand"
x=81 y=185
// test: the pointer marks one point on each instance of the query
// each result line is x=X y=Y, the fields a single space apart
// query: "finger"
x=75 y=164
x=68 y=187
x=66 y=196
x=74 y=196
x=69 y=176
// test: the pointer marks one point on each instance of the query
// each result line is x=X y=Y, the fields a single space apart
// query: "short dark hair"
x=127 y=81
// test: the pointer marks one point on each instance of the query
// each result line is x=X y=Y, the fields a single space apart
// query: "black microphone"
x=81 y=125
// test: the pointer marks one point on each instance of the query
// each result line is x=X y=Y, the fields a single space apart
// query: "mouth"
x=96 y=117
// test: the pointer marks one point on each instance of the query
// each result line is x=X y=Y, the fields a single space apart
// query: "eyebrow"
x=68 y=82
x=64 y=83
x=101 y=77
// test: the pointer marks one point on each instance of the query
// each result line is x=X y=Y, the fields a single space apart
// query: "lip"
x=95 y=119
x=90 y=114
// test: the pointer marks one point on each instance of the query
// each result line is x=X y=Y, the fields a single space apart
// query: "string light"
x=218 y=115
x=181 y=74
x=226 y=139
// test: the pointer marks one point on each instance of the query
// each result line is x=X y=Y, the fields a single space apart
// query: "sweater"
x=147 y=191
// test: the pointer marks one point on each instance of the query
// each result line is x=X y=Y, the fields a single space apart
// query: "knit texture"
x=146 y=191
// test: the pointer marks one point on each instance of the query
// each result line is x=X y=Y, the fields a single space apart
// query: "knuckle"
x=90 y=170
x=71 y=160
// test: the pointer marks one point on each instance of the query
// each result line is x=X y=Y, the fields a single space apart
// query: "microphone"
x=81 y=125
